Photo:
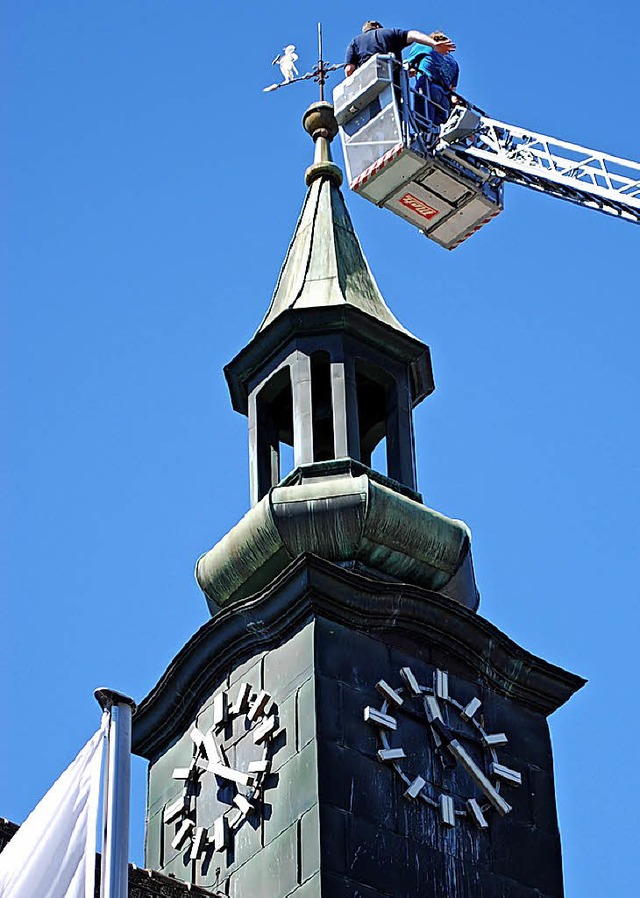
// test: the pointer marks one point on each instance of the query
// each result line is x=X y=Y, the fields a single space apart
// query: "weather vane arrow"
x=287 y=62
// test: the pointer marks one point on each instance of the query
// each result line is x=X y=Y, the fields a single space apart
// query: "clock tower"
x=346 y=723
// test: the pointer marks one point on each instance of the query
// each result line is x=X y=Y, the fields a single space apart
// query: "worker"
x=376 y=39
x=436 y=76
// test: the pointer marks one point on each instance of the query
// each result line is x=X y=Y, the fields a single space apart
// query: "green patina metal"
x=325 y=264
x=344 y=519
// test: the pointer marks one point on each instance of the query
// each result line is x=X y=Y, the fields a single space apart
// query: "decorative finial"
x=320 y=122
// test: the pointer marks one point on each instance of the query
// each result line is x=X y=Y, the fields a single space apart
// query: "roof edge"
x=311 y=587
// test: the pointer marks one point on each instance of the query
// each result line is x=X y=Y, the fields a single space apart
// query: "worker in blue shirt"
x=441 y=72
x=376 y=39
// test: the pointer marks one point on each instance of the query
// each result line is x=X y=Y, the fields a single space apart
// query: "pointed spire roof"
x=325 y=264
x=325 y=283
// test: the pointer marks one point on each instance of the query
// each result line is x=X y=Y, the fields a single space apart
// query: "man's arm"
x=350 y=59
x=418 y=37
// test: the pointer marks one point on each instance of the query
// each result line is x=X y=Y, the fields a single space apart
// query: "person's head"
x=370 y=26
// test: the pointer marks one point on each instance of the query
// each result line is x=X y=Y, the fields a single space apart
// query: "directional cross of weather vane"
x=287 y=62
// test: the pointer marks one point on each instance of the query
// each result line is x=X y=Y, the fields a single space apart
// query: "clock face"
x=251 y=718
x=440 y=750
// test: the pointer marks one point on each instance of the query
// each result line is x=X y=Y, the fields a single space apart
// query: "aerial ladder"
x=449 y=181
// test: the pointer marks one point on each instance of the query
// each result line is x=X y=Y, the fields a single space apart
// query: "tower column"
x=345 y=409
x=302 y=409
x=400 y=443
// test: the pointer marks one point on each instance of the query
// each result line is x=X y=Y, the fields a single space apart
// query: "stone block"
x=248 y=671
x=543 y=800
x=357 y=734
x=356 y=784
x=284 y=744
x=271 y=872
x=528 y=855
x=378 y=858
x=528 y=731
x=161 y=785
x=333 y=839
x=310 y=843
x=329 y=708
x=306 y=713
x=296 y=792
x=350 y=657
x=289 y=665
x=153 y=837
x=308 y=889
x=334 y=886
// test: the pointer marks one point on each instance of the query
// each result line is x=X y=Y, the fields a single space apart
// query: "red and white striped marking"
x=379 y=164
x=477 y=228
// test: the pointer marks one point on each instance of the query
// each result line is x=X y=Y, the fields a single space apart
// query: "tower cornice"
x=311 y=587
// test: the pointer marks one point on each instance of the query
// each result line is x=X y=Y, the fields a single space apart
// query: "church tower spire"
x=346 y=723
x=332 y=373
x=330 y=370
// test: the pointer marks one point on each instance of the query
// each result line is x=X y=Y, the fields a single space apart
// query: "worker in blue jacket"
x=440 y=71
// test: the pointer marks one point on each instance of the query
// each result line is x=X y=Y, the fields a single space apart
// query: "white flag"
x=53 y=854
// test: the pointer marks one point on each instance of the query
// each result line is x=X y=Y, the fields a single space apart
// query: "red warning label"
x=418 y=206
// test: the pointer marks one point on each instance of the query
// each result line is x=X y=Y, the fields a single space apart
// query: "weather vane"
x=287 y=62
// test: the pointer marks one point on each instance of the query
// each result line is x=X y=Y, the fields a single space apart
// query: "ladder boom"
x=566 y=170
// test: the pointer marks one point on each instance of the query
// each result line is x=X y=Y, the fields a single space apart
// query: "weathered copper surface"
x=340 y=518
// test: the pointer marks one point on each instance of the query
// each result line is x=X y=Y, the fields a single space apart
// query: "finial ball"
x=319 y=121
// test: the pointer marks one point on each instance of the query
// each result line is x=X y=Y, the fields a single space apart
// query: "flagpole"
x=115 y=835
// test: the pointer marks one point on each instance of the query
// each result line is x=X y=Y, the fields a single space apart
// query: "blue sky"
x=151 y=190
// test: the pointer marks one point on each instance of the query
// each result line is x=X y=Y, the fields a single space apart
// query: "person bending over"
x=376 y=39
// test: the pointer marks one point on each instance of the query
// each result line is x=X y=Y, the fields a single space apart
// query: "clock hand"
x=228 y=773
x=464 y=758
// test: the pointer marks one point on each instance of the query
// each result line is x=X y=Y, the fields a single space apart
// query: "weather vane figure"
x=287 y=63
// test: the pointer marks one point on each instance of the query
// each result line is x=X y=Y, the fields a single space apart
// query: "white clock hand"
x=460 y=754
x=228 y=773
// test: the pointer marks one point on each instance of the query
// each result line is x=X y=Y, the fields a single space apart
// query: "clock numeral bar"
x=212 y=751
x=241 y=703
x=220 y=833
x=476 y=814
x=412 y=684
x=495 y=739
x=183 y=773
x=175 y=810
x=414 y=789
x=196 y=737
x=391 y=754
x=507 y=774
x=441 y=684
x=432 y=708
x=372 y=715
x=259 y=706
x=259 y=767
x=220 y=709
x=182 y=835
x=197 y=845
x=468 y=712
x=266 y=729
x=387 y=692
x=245 y=807
x=447 y=811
